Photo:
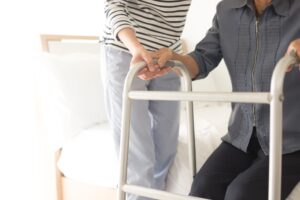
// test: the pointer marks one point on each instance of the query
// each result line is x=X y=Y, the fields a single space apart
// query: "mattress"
x=90 y=157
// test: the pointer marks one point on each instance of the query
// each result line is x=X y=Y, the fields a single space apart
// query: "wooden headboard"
x=46 y=38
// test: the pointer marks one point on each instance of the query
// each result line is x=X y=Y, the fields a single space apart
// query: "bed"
x=71 y=103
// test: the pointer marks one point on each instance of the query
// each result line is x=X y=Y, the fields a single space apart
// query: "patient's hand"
x=295 y=45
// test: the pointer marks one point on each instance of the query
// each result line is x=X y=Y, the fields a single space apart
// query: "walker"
x=275 y=98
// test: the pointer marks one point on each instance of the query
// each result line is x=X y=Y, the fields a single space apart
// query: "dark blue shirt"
x=251 y=45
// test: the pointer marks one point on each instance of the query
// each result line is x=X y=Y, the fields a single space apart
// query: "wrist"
x=136 y=48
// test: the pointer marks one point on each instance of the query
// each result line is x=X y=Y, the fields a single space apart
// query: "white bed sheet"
x=90 y=157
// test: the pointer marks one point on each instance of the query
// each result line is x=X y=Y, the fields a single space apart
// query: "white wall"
x=80 y=17
x=198 y=22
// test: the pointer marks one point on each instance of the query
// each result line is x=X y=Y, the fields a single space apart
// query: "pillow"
x=70 y=94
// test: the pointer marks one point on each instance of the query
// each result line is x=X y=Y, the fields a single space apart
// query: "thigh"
x=290 y=172
x=225 y=163
x=253 y=182
x=165 y=115
x=168 y=82
x=141 y=142
x=117 y=67
x=165 y=121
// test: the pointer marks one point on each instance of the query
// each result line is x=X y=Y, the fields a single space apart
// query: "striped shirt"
x=157 y=23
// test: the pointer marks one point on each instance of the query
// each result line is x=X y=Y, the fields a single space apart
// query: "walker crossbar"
x=155 y=194
x=241 y=97
x=274 y=98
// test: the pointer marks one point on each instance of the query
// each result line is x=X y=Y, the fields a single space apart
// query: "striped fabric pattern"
x=157 y=23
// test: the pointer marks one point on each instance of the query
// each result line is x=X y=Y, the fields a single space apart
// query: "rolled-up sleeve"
x=117 y=17
x=208 y=52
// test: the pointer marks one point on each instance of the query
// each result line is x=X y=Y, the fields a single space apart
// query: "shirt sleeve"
x=208 y=52
x=117 y=16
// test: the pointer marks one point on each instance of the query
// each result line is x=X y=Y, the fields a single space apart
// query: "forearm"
x=189 y=63
x=129 y=39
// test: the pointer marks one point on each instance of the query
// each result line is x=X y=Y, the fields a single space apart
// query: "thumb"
x=149 y=61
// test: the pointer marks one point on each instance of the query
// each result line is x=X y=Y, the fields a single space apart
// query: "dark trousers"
x=232 y=174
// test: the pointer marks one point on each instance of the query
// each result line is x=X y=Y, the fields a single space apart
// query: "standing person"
x=251 y=36
x=135 y=28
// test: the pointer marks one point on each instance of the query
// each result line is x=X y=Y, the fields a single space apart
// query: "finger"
x=167 y=69
x=163 y=58
x=147 y=75
x=150 y=62
x=143 y=77
x=290 y=68
x=142 y=71
x=163 y=72
x=162 y=61
x=154 y=54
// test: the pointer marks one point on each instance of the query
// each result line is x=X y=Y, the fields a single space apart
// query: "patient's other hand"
x=294 y=45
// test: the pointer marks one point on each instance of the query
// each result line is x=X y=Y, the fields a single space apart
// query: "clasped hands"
x=155 y=62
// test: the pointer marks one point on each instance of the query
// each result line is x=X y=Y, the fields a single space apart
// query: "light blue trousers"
x=154 y=124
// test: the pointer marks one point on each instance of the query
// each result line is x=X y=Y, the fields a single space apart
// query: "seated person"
x=251 y=36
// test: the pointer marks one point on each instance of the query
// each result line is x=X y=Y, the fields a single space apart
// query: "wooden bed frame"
x=67 y=189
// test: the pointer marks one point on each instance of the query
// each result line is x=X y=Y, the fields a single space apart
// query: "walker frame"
x=274 y=98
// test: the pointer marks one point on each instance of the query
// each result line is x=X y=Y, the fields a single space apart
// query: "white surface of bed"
x=90 y=157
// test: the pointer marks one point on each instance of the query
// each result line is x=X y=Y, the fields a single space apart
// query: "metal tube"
x=156 y=194
x=275 y=159
x=242 y=97
x=125 y=127
x=187 y=86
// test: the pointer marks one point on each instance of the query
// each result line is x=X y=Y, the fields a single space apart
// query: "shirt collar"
x=281 y=7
